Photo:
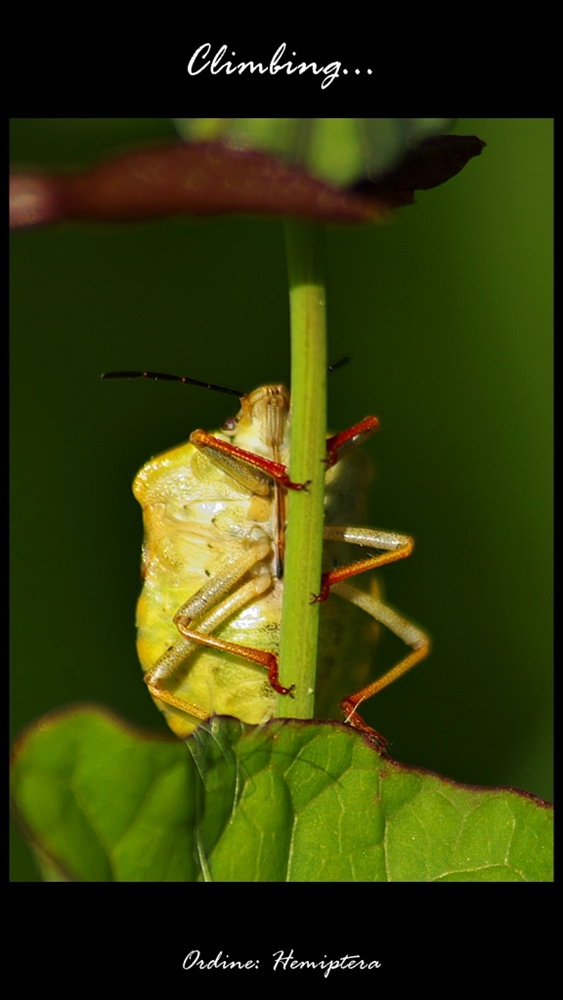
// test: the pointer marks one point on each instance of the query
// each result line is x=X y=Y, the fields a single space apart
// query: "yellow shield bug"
x=208 y=618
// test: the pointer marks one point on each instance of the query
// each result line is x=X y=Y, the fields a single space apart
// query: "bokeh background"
x=447 y=314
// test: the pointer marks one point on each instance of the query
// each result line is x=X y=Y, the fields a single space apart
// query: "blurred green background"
x=447 y=314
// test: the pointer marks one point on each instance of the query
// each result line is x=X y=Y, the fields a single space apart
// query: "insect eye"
x=230 y=425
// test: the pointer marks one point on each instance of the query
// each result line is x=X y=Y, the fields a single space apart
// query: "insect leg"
x=339 y=444
x=211 y=610
x=191 y=639
x=394 y=547
x=217 y=587
x=226 y=609
x=405 y=630
x=250 y=470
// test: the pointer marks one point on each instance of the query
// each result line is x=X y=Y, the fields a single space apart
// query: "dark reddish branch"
x=212 y=179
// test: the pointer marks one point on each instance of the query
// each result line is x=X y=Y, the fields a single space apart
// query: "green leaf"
x=290 y=801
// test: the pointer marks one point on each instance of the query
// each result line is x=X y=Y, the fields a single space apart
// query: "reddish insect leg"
x=405 y=630
x=210 y=611
x=260 y=656
x=395 y=547
x=339 y=444
x=252 y=471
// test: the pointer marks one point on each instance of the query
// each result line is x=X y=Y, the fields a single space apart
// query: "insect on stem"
x=215 y=569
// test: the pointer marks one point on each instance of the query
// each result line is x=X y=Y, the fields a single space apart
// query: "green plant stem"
x=303 y=558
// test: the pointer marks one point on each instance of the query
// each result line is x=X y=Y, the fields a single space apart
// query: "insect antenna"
x=163 y=377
